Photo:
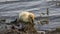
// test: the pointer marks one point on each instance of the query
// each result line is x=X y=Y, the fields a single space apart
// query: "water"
x=10 y=12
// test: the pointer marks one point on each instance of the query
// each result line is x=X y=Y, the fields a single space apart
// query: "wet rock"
x=58 y=29
x=2 y=20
